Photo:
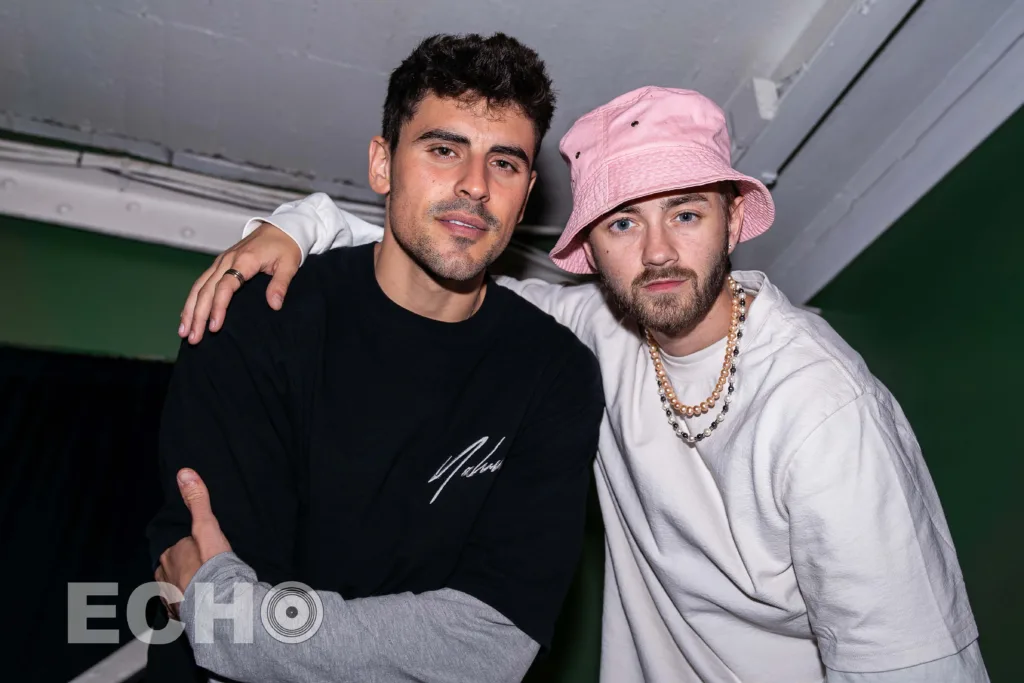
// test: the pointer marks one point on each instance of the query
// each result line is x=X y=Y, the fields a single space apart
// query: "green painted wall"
x=77 y=290
x=932 y=307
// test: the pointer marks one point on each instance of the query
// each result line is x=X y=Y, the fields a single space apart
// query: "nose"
x=472 y=184
x=658 y=250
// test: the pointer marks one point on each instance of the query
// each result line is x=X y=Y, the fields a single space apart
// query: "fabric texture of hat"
x=645 y=142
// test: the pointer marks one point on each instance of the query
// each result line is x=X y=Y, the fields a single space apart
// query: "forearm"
x=317 y=224
x=442 y=635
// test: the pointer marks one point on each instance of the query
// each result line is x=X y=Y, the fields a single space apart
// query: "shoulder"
x=808 y=354
x=806 y=372
x=569 y=369
x=540 y=330
x=518 y=308
x=573 y=305
x=333 y=267
x=822 y=361
x=322 y=278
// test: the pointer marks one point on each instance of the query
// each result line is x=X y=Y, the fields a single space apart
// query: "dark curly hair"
x=499 y=69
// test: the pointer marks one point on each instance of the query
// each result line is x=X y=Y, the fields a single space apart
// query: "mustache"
x=462 y=204
x=650 y=275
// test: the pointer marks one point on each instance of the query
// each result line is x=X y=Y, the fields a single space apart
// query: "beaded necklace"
x=725 y=386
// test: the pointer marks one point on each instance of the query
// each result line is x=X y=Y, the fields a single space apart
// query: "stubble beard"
x=455 y=263
x=672 y=314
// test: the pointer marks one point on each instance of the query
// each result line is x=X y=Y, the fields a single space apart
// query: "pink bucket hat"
x=648 y=141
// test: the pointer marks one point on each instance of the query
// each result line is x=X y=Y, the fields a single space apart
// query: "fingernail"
x=192 y=336
x=181 y=330
x=214 y=323
x=186 y=477
x=277 y=300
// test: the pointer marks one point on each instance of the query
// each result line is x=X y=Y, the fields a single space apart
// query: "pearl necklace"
x=725 y=386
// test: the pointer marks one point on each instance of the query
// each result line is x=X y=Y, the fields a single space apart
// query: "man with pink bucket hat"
x=768 y=513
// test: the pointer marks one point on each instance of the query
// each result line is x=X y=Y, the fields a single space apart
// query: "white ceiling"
x=297 y=85
x=855 y=108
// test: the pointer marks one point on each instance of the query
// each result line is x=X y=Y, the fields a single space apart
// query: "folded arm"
x=443 y=635
x=225 y=416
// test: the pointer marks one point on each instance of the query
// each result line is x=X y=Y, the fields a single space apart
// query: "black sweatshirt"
x=355 y=446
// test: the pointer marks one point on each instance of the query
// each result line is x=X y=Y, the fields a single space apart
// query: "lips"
x=463 y=220
x=661 y=285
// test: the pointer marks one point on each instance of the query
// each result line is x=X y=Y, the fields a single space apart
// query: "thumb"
x=205 y=528
x=196 y=496
x=284 y=271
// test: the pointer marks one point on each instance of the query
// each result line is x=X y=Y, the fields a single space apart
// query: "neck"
x=710 y=330
x=409 y=285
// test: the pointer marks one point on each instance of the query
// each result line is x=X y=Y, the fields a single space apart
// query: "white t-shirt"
x=806 y=530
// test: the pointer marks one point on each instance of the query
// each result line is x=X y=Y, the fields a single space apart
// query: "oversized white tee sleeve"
x=873 y=556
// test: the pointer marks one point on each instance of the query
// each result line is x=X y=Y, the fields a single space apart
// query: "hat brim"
x=648 y=172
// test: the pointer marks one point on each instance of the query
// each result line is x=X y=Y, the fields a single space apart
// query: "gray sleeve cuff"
x=440 y=635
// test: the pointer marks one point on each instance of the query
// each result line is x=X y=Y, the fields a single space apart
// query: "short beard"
x=669 y=313
x=456 y=265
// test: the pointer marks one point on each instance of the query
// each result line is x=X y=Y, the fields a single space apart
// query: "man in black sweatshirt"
x=405 y=437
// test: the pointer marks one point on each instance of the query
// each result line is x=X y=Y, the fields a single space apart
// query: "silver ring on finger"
x=232 y=271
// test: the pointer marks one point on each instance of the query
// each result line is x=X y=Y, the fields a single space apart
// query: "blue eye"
x=687 y=217
x=621 y=225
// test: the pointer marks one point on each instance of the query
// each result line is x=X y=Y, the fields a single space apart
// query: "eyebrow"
x=666 y=203
x=456 y=139
x=693 y=198
x=444 y=135
x=512 y=151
